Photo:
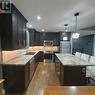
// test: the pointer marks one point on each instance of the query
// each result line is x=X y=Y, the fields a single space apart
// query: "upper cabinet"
x=13 y=30
x=53 y=36
x=34 y=37
x=37 y=38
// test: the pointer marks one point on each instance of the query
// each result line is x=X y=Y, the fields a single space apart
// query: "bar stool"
x=85 y=57
x=78 y=54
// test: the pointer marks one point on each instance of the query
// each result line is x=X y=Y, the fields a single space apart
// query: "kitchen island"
x=71 y=69
x=19 y=71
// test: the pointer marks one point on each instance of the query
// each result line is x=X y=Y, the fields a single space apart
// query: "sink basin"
x=30 y=53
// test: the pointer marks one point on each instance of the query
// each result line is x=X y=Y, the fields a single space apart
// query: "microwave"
x=48 y=43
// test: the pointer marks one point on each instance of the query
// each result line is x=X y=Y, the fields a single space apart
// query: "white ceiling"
x=56 y=13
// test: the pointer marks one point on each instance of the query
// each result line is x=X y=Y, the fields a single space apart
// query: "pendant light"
x=66 y=27
x=65 y=38
x=76 y=34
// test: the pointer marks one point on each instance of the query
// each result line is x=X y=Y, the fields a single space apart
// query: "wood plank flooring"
x=70 y=90
x=45 y=75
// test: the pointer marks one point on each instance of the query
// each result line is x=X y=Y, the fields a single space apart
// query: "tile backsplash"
x=44 y=48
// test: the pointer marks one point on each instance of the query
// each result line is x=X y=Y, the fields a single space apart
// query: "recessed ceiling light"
x=38 y=17
x=43 y=30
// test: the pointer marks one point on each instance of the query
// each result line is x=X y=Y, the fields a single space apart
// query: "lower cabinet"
x=17 y=77
x=32 y=67
x=70 y=75
x=48 y=55
x=39 y=57
x=57 y=66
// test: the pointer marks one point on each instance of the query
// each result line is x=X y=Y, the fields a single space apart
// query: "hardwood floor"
x=45 y=75
x=70 y=90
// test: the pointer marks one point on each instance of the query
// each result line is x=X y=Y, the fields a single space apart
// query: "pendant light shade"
x=66 y=27
x=76 y=34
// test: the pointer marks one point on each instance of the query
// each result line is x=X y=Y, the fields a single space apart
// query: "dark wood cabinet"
x=24 y=32
x=70 y=75
x=38 y=58
x=53 y=36
x=32 y=67
x=37 y=38
x=31 y=37
x=57 y=66
x=34 y=37
x=17 y=78
x=13 y=27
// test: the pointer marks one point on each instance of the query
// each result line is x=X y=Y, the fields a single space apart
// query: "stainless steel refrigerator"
x=65 y=47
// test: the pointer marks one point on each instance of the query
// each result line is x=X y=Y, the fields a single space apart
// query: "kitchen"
x=39 y=54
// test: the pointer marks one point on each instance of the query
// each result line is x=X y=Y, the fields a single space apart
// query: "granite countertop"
x=71 y=60
x=21 y=60
x=1 y=81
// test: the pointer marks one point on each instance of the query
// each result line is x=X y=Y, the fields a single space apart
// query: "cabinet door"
x=37 y=38
x=32 y=67
x=55 y=37
x=6 y=31
x=27 y=75
x=40 y=58
x=15 y=30
x=24 y=32
x=16 y=83
x=74 y=76
x=31 y=37
x=19 y=31
x=61 y=74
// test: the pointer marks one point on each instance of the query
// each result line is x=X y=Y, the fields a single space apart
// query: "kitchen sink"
x=30 y=53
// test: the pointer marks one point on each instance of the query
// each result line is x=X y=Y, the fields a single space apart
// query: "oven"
x=48 y=53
